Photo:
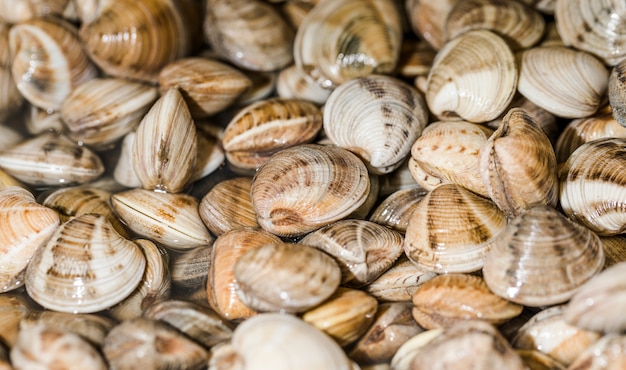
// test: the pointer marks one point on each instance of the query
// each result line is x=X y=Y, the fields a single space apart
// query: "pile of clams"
x=313 y=184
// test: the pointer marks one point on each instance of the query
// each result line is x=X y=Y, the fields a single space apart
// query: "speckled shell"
x=451 y=230
x=617 y=92
x=85 y=267
x=189 y=269
x=541 y=258
x=228 y=206
x=303 y=188
x=399 y=282
x=377 y=117
x=395 y=210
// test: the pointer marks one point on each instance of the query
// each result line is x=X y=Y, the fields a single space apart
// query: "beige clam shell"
x=12 y=11
x=228 y=206
x=617 y=92
x=293 y=84
x=428 y=19
x=609 y=349
x=85 y=267
x=399 y=282
x=10 y=97
x=395 y=210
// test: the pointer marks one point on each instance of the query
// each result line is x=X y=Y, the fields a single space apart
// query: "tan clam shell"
x=13 y=308
x=574 y=87
x=268 y=126
x=395 y=210
x=518 y=164
x=169 y=219
x=189 y=269
x=51 y=159
x=362 y=249
x=92 y=327
x=536 y=360
x=250 y=34
x=474 y=77
x=447 y=299
x=451 y=230
x=7 y=180
x=342 y=40
x=428 y=19
x=228 y=206
x=102 y=110
x=422 y=177
x=399 y=282
x=165 y=149
x=208 y=86
x=609 y=349
x=285 y=277
x=85 y=267
x=541 y=258
x=26 y=226
x=10 y=97
x=293 y=84
x=377 y=117
x=39 y=120
x=617 y=92
x=303 y=188
x=124 y=172
x=595 y=26
x=12 y=11
x=592 y=184
x=614 y=249
x=48 y=61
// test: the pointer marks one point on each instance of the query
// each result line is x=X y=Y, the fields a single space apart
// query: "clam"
x=518 y=164
x=377 y=117
x=614 y=249
x=591 y=186
x=362 y=249
x=451 y=230
x=617 y=92
x=395 y=210
x=169 y=219
x=40 y=120
x=210 y=152
x=541 y=258
x=403 y=357
x=7 y=180
x=10 y=97
x=574 y=87
x=85 y=267
x=473 y=77
x=293 y=84
x=48 y=61
x=15 y=11
x=609 y=352
x=189 y=269
x=341 y=40
x=428 y=19
x=91 y=327
x=124 y=172
x=13 y=308
x=399 y=282
x=102 y=110
x=51 y=159
x=26 y=226
x=285 y=277
x=295 y=11
x=303 y=188
x=228 y=206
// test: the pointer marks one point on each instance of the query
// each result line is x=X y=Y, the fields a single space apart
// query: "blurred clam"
x=26 y=225
x=210 y=152
x=208 y=86
x=85 y=267
x=165 y=148
x=451 y=230
x=608 y=353
x=7 y=180
x=9 y=136
x=92 y=327
x=268 y=126
x=541 y=258
x=574 y=87
x=614 y=249
x=362 y=249
x=473 y=77
x=518 y=164
x=377 y=117
x=595 y=26
x=395 y=210
x=189 y=268
x=428 y=19
x=592 y=186
x=399 y=282
x=536 y=360
x=303 y=188
x=342 y=40
x=293 y=84
x=13 y=308
x=228 y=206
x=249 y=33
x=10 y=97
x=38 y=120
x=403 y=357
x=15 y=11
x=295 y=11
x=102 y=110
x=617 y=92
x=51 y=159
x=48 y=61
x=124 y=172
x=136 y=42
x=169 y=219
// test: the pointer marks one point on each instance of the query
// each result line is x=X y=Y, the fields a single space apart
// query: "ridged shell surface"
x=228 y=206
x=617 y=92
x=395 y=210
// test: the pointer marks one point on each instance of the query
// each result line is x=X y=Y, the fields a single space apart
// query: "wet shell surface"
x=428 y=18
x=18 y=11
x=228 y=206
x=541 y=258
x=303 y=188
x=451 y=230
x=395 y=210
x=473 y=77
x=610 y=349
x=377 y=117
x=342 y=40
x=285 y=277
x=85 y=267
x=189 y=269
x=293 y=84
x=399 y=282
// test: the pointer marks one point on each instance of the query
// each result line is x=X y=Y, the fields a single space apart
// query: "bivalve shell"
x=608 y=353
x=228 y=206
x=395 y=210
x=12 y=11
x=293 y=84
x=428 y=19
x=617 y=92
x=11 y=99
x=399 y=282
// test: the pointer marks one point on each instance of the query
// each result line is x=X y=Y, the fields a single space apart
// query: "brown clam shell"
x=228 y=206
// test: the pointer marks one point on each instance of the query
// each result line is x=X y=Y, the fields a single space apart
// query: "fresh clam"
x=228 y=206
x=124 y=172
x=608 y=353
x=15 y=11
x=189 y=269
x=399 y=282
x=10 y=97
x=617 y=92
x=13 y=308
x=428 y=19
x=293 y=84
x=395 y=210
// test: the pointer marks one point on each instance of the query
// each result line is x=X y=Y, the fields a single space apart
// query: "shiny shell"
x=189 y=269
x=609 y=352
x=293 y=84
x=285 y=277
x=341 y=40
x=303 y=188
x=15 y=11
x=541 y=258
x=228 y=206
x=377 y=117
x=395 y=210
x=39 y=120
x=428 y=19
x=92 y=327
x=362 y=249
x=85 y=267
x=451 y=230
x=399 y=282
x=473 y=77
x=124 y=172
x=573 y=87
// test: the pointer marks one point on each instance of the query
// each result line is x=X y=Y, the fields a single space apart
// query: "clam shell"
x=606 y=353
x=473 y=77
x=124 y=172
x=617 y=92
x=189 y=269
x=342 y=40
x=12 y=11
x=285 y=277
x=228 y=206
x=614 y=249
x=399 y=282
x=10 y=97
x=6 y=181
x=362 y=249
x=210 y=152
x=48 y=61
x=169 y=219
x=91 y=327
x=428 y=19
x=573 y=87
x=303 y=188
x=451 y=230
x=26 y=226
x=13 y=308
x=40 y=120
x=395 y=210
x=402 y=359
x=541 y=258
x=390 y=112
x=85 y=267
x=293 y=84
